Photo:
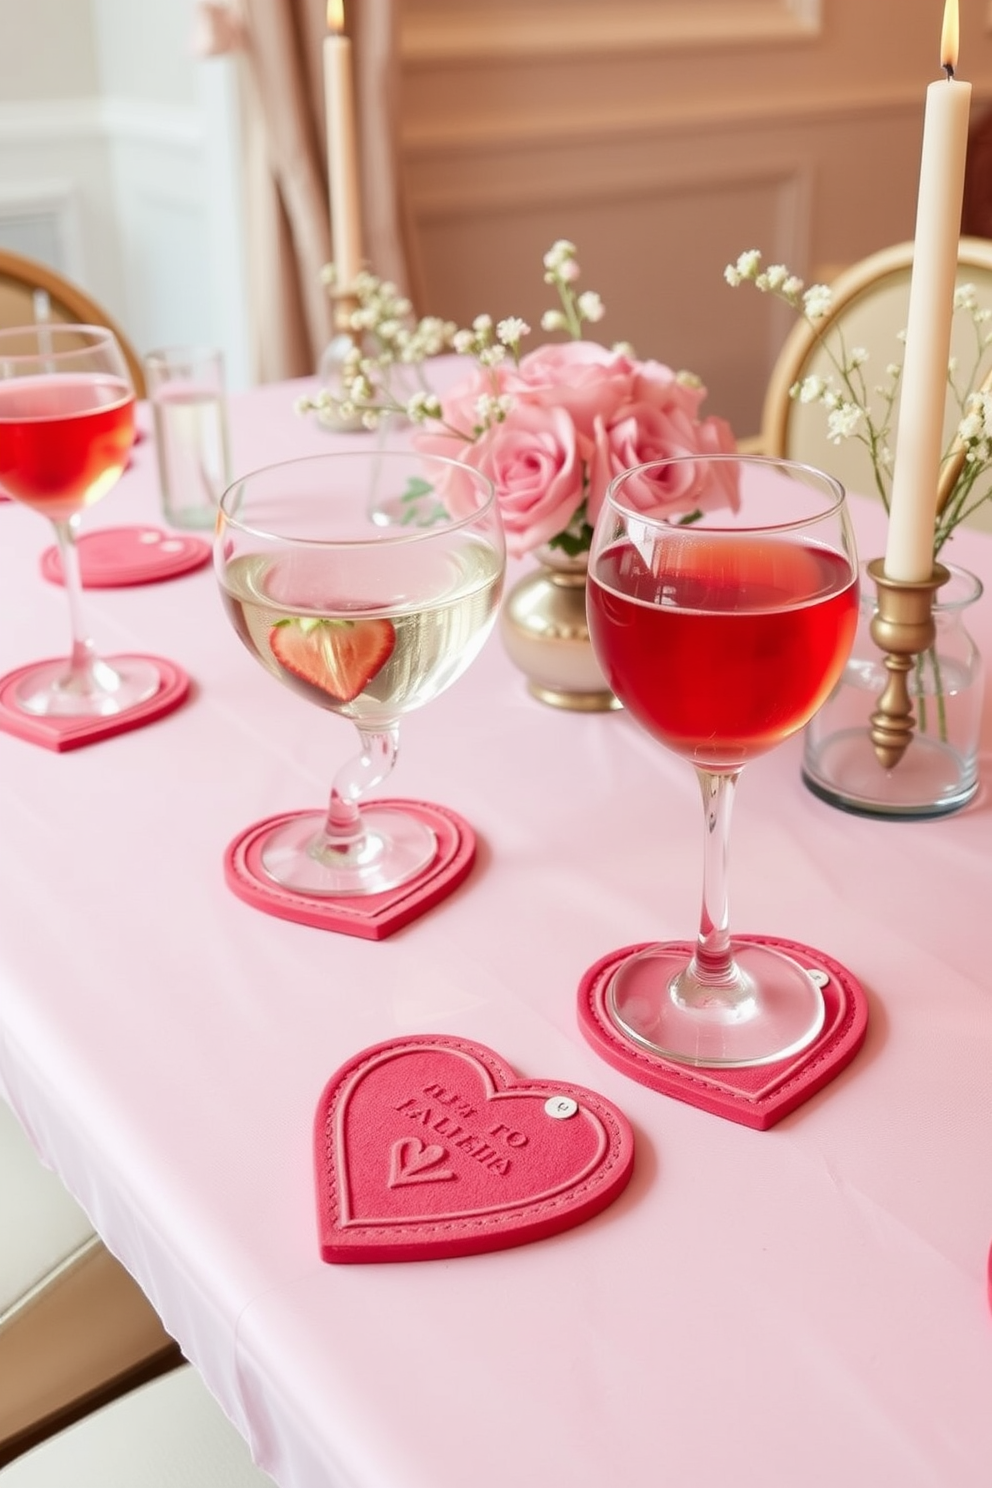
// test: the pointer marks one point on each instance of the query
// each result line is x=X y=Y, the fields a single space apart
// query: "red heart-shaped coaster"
x=117 y=557
x=63 y=734
x=369 y=916
x=758 y=1096
x=430 y=1147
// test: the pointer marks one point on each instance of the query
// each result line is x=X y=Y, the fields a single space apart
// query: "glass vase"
x=938 y=773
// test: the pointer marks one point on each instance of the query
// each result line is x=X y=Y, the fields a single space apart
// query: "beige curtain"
x=280 y=44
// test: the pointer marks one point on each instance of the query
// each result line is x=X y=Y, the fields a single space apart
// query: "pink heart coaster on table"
x=370 y=916
x=759 y=1096
x=429 y=1147
x=62 y=734
x=116 y=557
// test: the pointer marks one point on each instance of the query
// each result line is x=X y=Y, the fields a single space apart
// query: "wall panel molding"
x=107 y=119
x=616 y=121
x=434 y=33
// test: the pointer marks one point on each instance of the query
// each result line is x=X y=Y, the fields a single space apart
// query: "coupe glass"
x=66 y=430
x=723 y=599
x=368 y=616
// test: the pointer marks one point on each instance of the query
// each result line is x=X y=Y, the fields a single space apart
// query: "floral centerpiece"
x=859 y=409
x=550 y=427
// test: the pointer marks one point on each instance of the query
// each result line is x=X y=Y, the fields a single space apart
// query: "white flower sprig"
x=865 y=413
x=387 y=337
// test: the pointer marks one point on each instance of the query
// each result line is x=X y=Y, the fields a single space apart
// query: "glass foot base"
x=52 y=690
x=930 y=780
x=774 y=1010
x=396 y=847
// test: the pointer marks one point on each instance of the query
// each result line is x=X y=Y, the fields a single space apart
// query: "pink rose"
x=640 y=433
x=582 y=377
x=532 y=459
x=659 y=386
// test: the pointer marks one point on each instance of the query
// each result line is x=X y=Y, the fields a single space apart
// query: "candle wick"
x=949 y=69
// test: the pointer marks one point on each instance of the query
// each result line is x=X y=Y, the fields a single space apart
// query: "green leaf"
x=572 y=543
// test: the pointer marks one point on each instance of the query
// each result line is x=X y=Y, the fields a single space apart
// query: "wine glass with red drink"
x=66 y=431
x=722 y=601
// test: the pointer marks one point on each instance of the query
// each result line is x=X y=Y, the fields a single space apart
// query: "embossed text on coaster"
x=429 y=1147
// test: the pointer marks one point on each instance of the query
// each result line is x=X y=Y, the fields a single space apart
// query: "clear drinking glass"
x=189 y=409
x=723 y=601
x=365 y=617
x=66 y=431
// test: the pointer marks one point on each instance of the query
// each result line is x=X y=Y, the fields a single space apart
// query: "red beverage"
x=729 y=648
x=64 y=439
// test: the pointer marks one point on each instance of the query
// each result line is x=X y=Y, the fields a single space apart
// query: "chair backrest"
x=870 y=303
x=23 y=279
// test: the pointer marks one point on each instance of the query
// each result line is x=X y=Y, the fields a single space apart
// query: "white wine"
x=308 y=619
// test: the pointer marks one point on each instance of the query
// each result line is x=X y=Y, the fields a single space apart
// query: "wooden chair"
x=22 y=279
x=870 y=304
x=170 y=1433
x=75 y=1329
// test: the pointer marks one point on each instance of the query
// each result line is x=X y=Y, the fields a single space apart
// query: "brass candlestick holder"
x=900 y=734
x=902 y=627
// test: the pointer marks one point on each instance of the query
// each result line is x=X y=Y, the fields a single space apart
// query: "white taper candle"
x=342 y=155
x=920 y=433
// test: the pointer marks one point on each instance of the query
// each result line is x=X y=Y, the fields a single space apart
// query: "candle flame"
x=335 y=16
x=949 y=37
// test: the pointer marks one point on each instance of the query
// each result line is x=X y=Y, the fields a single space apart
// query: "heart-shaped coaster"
x=370 y=916
x=429 y=1147
x=758 y=1096
x=62 y=734
x=116 y=557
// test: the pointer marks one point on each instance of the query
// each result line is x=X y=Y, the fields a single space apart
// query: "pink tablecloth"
x=801 y=1306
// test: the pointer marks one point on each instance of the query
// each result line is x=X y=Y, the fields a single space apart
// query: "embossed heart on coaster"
x=430 y=1147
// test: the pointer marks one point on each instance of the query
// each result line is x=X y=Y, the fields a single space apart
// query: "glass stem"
x=83 y=655
x=713 y=962
x=344 y=831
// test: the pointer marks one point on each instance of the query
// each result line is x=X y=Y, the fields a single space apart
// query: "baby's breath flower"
x=866 y=414
x=810 y=390
x=688 y=379
x=590 y=306
x=559 y=254
x=817 y=301
x=512 y=330
x=970 y=428
x=748 y=264
x=553 y=320
x=843 y=421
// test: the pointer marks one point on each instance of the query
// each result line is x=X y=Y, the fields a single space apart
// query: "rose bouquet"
x=550 y=427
